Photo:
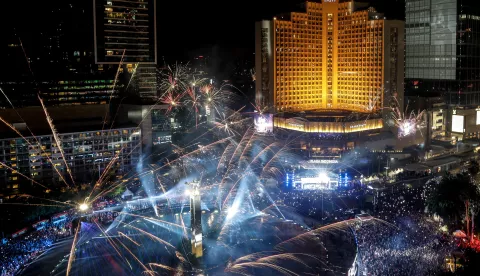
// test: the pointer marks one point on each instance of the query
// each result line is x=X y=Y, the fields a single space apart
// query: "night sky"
x=231 y=24
x=185 y=28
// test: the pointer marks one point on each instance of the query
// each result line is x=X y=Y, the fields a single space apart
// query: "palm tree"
x=454 y=198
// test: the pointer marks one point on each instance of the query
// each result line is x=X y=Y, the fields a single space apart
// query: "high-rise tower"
x=442 y=50
x=125 y=31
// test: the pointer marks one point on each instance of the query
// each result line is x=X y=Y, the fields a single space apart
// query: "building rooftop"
x=65 y=119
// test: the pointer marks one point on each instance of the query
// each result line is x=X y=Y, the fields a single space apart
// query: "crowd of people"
x=397 y=247
x=17 y=252
x=410 y=247
x=325 y=206
x=402 y=240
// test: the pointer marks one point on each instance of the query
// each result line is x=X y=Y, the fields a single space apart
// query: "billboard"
x=160 y=137
x=458 y=123
x=264 y=123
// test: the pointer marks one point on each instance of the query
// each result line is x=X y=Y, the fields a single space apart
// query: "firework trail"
x=243 y=268
x=258 y=107
x=113 y=88
x=133 y=74
x=57 y=139
x=1 y=90
x=154 y=219
x=163 y=267
x=27 y=59
x=146 y=270
x=180 y=158
x=128 y=238
x=51 y=200
x=116 y=113
x=71 y=258
x=111 y=242
x=34 y=137
x=153 y=237
x=33 y=204
x=26 y=177
x=340 y=226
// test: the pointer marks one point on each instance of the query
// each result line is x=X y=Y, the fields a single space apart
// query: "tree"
x=456 y=197
x=474 y=168
x=118 y=191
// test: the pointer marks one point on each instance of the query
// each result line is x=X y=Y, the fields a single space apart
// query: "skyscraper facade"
x=333 y=56
x=125 y=28
x=55 y=58
x=125 y=34
x=443 y=50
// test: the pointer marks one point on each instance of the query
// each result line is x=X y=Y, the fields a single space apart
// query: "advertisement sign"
x=40 y=224
x=19 y=232
x=458 y=123
x=161 y=137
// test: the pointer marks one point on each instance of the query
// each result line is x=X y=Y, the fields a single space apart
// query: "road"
x=47 y=261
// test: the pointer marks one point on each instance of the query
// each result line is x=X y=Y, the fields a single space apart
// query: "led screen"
x=264 y=123
x=161 y=138
x=457 y=123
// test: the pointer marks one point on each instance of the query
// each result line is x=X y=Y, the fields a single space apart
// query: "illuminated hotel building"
x=337 y=56
x=125 y=31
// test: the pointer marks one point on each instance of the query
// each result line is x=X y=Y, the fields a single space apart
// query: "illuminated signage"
x=329 y=1
x=355 y=126
x=295 y=125
x=458 y=123
x=478 y=117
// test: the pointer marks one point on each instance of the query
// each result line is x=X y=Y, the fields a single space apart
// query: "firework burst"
x=408 y=123
x=173 y=78
x=172 y=100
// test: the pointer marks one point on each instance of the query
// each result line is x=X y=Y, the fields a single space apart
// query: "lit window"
x=109 y=53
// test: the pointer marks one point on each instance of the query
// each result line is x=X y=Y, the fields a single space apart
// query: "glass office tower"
x=442 y=50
